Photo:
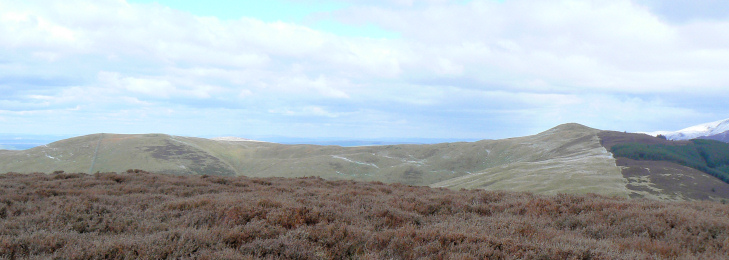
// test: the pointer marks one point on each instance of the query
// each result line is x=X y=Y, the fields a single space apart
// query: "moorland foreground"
x=156 y=216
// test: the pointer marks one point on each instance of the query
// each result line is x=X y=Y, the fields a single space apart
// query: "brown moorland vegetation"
x=663 y=179
x=155 y=216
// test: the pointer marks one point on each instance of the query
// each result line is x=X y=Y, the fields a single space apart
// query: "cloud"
x=476 y=68
x=683 y=11
x=305 y=111
x=156 y=87
x=146 y=86
x=600 y=45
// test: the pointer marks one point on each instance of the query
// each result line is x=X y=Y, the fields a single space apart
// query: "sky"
x=478 y=69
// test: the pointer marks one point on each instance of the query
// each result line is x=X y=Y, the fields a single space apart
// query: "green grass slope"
x=409 y=164
x=565 y=159
x=569 y=158
x=113 y=152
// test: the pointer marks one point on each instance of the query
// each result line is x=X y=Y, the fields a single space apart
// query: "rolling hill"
x=569 y=158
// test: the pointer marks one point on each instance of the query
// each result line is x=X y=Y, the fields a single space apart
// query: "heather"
x=156 y=216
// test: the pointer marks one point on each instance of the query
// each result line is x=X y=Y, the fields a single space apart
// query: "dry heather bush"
x=153 y=216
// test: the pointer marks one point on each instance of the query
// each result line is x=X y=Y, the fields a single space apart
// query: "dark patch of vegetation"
x=156 y=216
x=708 y=156
x=608 y=139
x=200 y=162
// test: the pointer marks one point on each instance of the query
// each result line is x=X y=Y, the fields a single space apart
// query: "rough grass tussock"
x=153 y=216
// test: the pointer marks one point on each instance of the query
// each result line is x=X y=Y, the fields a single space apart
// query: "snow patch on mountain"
x=707 y=129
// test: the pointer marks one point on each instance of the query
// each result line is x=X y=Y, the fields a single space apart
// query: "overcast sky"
x=480 y=69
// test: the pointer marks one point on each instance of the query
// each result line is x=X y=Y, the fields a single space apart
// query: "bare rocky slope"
x=569 y=158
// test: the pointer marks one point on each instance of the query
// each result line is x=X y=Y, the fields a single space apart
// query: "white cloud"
x=572 y=60
x=602 y=45
x=147 y=86
x=36 y=31
x=321 y=85
x=156 y=87
x=245 y=93
x=316 y=111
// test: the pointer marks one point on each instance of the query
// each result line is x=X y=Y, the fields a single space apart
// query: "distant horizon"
x=283 y=139
x=30 y=141
x=14 y=141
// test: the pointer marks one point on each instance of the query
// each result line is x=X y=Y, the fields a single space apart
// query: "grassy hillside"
x=708 y=156
x=114 y=152
x=159 y=216
x=510 y=162
x=568 y=158
x=410 y=164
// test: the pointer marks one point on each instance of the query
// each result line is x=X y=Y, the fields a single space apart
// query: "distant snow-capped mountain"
x=714 y=130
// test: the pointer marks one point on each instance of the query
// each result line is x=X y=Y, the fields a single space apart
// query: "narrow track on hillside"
x=96 y=152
